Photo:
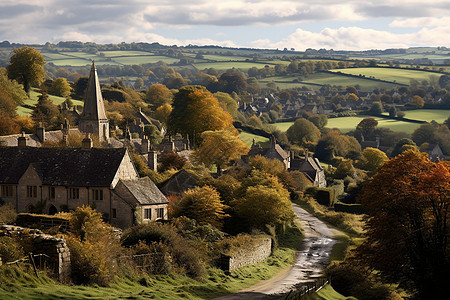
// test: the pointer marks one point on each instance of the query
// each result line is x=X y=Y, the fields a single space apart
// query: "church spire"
x=94 y=109
x=93 y=118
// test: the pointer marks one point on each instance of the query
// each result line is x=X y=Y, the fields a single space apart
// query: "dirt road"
x=312 y=258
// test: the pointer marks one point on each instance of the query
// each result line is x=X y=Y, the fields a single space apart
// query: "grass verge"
x=18 y=283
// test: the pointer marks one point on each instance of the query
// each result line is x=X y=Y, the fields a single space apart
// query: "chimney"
x=40 y=132
x=153 y=160
x=22 y=140
x=87 y=142
x=145 y=145
x=272 y=142
x=66 y=127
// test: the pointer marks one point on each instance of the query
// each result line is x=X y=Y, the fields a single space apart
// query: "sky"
x=298 y=24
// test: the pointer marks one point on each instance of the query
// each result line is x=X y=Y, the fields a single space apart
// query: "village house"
x=311 y=168
x=50 y=180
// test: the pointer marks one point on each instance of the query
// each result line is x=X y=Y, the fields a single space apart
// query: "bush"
x=352 y=280
x=323 y=196
x=7 y=214
x=94 y=248
x=185 y=256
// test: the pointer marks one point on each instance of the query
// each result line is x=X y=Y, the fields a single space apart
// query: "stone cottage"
x=56 y=179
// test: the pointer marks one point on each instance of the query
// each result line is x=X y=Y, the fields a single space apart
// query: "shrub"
x=7 y=214
x=186 y=257
x=10 y=249
x=323 y=196
x=352 y=280
x=94 y=248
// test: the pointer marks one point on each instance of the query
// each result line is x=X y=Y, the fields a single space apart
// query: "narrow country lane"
x=312 y=258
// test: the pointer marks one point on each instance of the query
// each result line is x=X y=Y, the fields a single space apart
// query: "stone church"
x=51 y=180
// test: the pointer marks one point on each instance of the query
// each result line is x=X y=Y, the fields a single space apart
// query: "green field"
x=224 y=58
x=125 y=53
x=389 y=74
x=248 y=137
x=88 y=56
x=222 y=66
x=346 y=124
x=438 y=115
x=344 y=81
x=32 y=101
x=137 y=60
x=74 y=62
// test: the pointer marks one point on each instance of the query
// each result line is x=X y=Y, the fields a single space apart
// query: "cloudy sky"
x=299 y=24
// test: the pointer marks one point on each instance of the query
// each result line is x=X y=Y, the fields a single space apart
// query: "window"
x=31 y=191
x=74 y=193
x=7 y=190
x=97 y=194
x=147 y=213
x=51 y=192
x=160 y=213
x=114 y=213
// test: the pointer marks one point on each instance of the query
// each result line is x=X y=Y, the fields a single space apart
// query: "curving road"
x=312 y=258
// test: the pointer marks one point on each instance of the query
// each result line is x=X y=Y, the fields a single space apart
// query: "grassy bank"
x=17 y=283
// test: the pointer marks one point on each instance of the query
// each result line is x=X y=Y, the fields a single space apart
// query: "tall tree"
x=61 y=87
x=158 y=94
x=219 y=147
x=303 y=131
x=26 y=66
x=195 y=110
x=408 y=203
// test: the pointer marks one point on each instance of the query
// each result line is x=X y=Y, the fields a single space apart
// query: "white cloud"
x=355 y=38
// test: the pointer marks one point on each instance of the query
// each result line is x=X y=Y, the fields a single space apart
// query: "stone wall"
x=248 y=255
x=55 y=248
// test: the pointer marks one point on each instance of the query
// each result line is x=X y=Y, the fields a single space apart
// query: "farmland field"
x=224 y=58
x=32 y=101
x=438 y=115
x=390 y=74
x=342 y=80
x=75 y=62
x=125 y=53
x=346 y=124
x=247 y=138
x=136 y=60
x=228 y=65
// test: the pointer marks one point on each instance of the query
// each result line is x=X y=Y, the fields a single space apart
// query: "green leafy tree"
x=319 y=120
x=45 y=111
x=303 y=131
x=376 y=108
x=402 y=145
x=264 y=201
x=219 y=147
x=372 y=159
x=366 y=128
x=204 y=205
x=61 y=87
x=26 y=66
x=158 y=94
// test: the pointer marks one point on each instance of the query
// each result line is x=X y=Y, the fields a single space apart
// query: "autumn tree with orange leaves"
x=408 y=224
x=196 y=110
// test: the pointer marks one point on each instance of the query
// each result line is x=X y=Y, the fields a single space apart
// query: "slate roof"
x=62 y=166
x=178 y=183
x=145 y=191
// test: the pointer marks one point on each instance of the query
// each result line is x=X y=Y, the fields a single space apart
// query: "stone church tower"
x=93 y=118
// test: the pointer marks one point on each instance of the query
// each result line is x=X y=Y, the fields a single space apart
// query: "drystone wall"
x=249 y=255
x=55 y=249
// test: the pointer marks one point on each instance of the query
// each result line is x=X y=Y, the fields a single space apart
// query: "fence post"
x=30 y=255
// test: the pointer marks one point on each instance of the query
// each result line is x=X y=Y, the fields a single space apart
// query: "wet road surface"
x=312 y=257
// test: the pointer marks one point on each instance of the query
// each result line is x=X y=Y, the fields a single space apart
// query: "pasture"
x=137 y=60
x=390 y=74
x=33 y=100
x=222 y=66
x=248 y=137
x=365 y=84
x=346 y=124
x=438 y=115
